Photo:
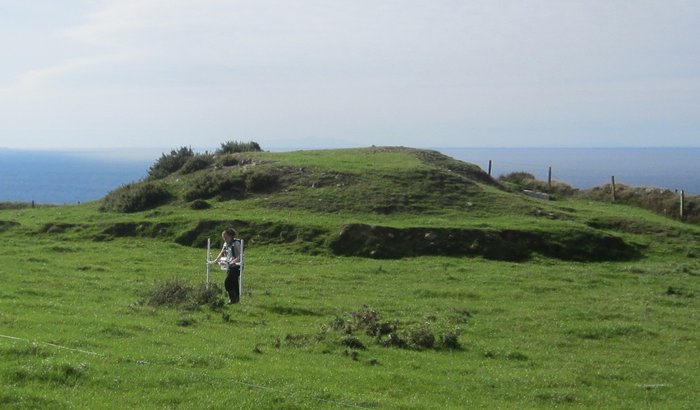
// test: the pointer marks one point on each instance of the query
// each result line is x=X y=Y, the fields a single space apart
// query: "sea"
x=61 y=177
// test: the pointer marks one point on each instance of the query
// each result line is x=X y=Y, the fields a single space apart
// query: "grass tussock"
x=180 y=294
x=432 y=333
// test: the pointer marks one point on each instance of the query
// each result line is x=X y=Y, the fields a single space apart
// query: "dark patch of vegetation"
x=170 y=163
x=136 y=197
x=211 y=184
x=180 y=294
x=629 y=226
x=200 y=204
x=352 y=342
x=15 y=205
x=261 y=181
x=231 y=147
x=172 y=293
x=57 y=227
x=386 y=242
x=197 y=163
x=662 y=201
x=5 y=225
x=671 y=291
x=258 y=233
x=56 y=374
x=523 y=180
x=659 y=200
x=136 y=229
x=605 y=332
x=293 y=340
x=369 y=322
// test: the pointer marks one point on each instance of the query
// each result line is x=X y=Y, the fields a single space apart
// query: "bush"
x=209 y=185
x=524 y=180
x=227 y=160
x=199 y=204
x=135 y=197
x=177 y=293
x=387 y=334
x=169 y=163
x=421 y=338
x=259 y=181
x=196 y=163
x=170 y=293
x=232 y=147
x=449 y=339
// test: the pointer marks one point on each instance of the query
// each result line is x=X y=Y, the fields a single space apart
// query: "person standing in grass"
x=231 y=255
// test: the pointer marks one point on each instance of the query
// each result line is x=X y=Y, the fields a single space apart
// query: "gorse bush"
x=232 y=147
x=209 y=185
x=261 y=181
x=169 y=163
x=524 y=180
x=135 y=197
x=196 y=163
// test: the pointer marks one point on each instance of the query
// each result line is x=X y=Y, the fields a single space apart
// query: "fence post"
x=549 y=180
x=613 y=189
x=489 y=167
x=682 y=200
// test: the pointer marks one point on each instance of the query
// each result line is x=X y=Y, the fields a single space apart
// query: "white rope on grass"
x=52 y=345
x=143 y=362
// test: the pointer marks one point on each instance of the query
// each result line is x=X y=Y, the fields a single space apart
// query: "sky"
x=95 y=74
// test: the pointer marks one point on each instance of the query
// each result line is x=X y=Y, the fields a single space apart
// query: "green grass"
x=78 y=331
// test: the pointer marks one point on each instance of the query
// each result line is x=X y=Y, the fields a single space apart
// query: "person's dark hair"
x=231 y=232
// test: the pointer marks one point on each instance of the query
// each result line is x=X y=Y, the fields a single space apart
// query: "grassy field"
x=317 y=330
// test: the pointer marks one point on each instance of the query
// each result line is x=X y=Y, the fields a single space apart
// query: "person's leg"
x=236 y=286
x=231 y=283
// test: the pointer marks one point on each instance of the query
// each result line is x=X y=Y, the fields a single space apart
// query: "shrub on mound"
x=135 y=197
x=196 y=163
x=261 y=181
x=169 y=163
x=209 y=185
x=231 y=147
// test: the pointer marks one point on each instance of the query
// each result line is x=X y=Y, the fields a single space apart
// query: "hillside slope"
x=378 y=202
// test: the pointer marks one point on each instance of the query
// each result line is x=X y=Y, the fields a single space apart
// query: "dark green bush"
x=170 y=293
x=211 y=184
x=449 y=339
x=261 y=181
x=232 y=147
x=227 y=160
x=178 y=293
x=352 y=342
x=196 y=163
x=169 y=163
x=135 y=197
x=199 y=204
x=420 y=338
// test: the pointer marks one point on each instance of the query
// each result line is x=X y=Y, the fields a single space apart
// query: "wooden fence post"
x=489 y=167
x=613 y=189
x=682 y=200
x=549 y=180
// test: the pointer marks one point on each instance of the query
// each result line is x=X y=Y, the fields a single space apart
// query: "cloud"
x=359 y=70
